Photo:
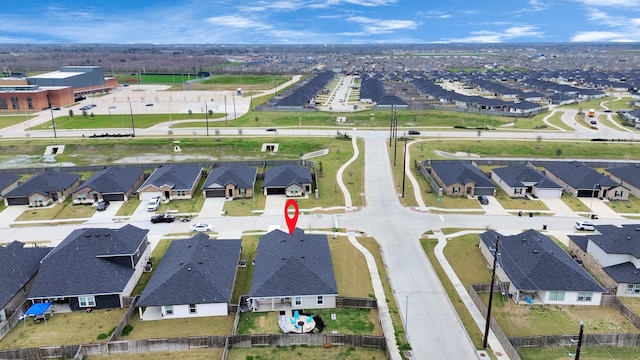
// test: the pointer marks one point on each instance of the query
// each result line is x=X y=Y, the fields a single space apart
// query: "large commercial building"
x=58 y=88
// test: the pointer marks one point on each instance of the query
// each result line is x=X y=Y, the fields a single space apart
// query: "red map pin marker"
x=291 y=222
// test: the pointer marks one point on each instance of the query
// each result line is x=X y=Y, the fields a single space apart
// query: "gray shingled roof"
x=293 y=265
x=44 y=182
x=285 y=175
x=7 y=179
x=630 y=174
x=18 y=264
x=81 y=264
x=514 y=176
x=243 y=177
x=455 y=171
x=177 y=176
x=532 y=261
x=194 y=271
x=578 y=175
x=616 y=240
x=114 y=179
x=624 y=273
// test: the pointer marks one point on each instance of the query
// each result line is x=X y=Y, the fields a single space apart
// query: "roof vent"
x=98 y=235
x=199 y=262
x=628 y=237
x=188 y=269
x=284 y=258
x=106 y=234
x=535 y=251
x=87 y=235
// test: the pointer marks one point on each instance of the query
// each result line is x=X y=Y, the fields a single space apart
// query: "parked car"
x=102 y=206
x=166 y=218
x=56 y=108
x=153 y=203
x=414 y=132
x=483 y=200
x=585 y=226
x=149 y=104
x=272 y=129
x=201 y=227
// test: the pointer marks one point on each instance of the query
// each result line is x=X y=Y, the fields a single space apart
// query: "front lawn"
x=518 y=203
x=64 y=210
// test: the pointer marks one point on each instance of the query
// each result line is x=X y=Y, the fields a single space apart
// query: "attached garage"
x=276 y=191
x=483 y=191
x=113 y=197
x=214 y=193
x=18 y=201
x=588 y=193
x=144 y=196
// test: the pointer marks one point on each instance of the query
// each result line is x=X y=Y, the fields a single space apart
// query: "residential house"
x=18 y=266
x=44 y=188
x=612 y=254
x=289 y=180
x=524 y=180
x=292 y=272
x=627 y=176
x=461 y=178
x=8 y=182
x=230 y=181
x=532 y=268
x=115 y=183
x=580 y=180
x=171 y=182
x=194 y=279
x=93 y=268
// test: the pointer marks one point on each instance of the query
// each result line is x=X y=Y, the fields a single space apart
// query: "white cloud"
x=600 y=36
x=610 y=3
x=488 y=36
x=239 y=22
x=379 y=26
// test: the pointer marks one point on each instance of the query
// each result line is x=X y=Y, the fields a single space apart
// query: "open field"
x=123 y=121
x=10 y=120
x=57 y=330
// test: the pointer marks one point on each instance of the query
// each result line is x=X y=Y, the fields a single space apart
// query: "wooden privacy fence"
x=192 y=342
x=592 y=340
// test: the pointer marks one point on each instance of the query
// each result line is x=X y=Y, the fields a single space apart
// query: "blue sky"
x=319 y=21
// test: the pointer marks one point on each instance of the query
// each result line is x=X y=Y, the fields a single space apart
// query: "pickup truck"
x=166 y=218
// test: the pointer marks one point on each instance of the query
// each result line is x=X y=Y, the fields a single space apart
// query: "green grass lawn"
x=574 y=203
x=156 y=257
x=586 y=105
x=306 y=352
x=10 y=120
x=154 y=329
x=622 y=103
x=556 y=119
x=245 y=207
x=350 y=269
x=129 y=207
x=143 y=121
x=518 y=203
x=242 y=285
x=57 y=330
x=59 y=211
x=632 y=205
x=587 y=352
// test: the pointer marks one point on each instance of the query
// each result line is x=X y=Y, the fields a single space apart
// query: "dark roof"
x=532 y=261
x=44 y=182
x=612 y=239
x=18 y=264
x=243 y=177
x=83 y=263
x=629 y=174
x=517 y=175
x=578 y=175
x=455 y=171
x=114 y=179
x=194 y=271
x=624 y=273
x=176 y=176
x=293 y=265
x=286 y=175
x=7 y=179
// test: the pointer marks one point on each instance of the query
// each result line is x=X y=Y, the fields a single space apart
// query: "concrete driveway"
x=10 y=214
x=600 y=208
x=558 y=207
x=275 y=205
x=212 y=207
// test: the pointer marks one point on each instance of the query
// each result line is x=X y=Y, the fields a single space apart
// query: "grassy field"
x=56 y=331
x=143 y=121
x=305 y=352
x=518 y=320
x=129 y=207
x=10 y=120
x=217 y=325
x=556 y=119
x=350 y=268
x=526 y=149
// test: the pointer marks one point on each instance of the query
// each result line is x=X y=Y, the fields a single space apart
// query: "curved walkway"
x=546 y=121
x=416 y=186
x=378 y=289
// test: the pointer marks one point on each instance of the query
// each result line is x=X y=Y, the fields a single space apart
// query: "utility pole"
x=53 y=121
x=395 y=134
x=493 y=278
x=226 y=116
x=206 y=116
x=233 y=97
x=404 y=164
x=579 y=346
x=133 y=127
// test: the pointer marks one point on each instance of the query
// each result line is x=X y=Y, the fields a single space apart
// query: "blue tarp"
x=38 y=309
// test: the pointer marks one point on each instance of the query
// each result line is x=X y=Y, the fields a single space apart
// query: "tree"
x=559 y=152
x=70 y=112
x=257 y=118
x=320 y=169
x=210 y=112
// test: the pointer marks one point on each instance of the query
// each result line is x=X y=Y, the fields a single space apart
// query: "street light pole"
x=592 y=196
x=226 y=121
x=53 y=121
x=493 y=279
x=206 y=116
x=133 y=127
x=404 y=164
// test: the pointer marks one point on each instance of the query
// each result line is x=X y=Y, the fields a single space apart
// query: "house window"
x=243 y=191
x=29 y=103
x=585 y=295
x=181 y=193
x=192 y=308
x=38 y=201
x=81 y=197
x=456 y=189
x=320 y=300
x=3 y=104
x=633 y=289
x=556 y=295
x=14 y=103
x=298 y=301
x=168 y=309
x=617 y=193
x=517 y=191
x=86 y=301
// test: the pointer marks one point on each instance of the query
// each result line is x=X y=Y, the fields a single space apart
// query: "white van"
x=153 y=203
